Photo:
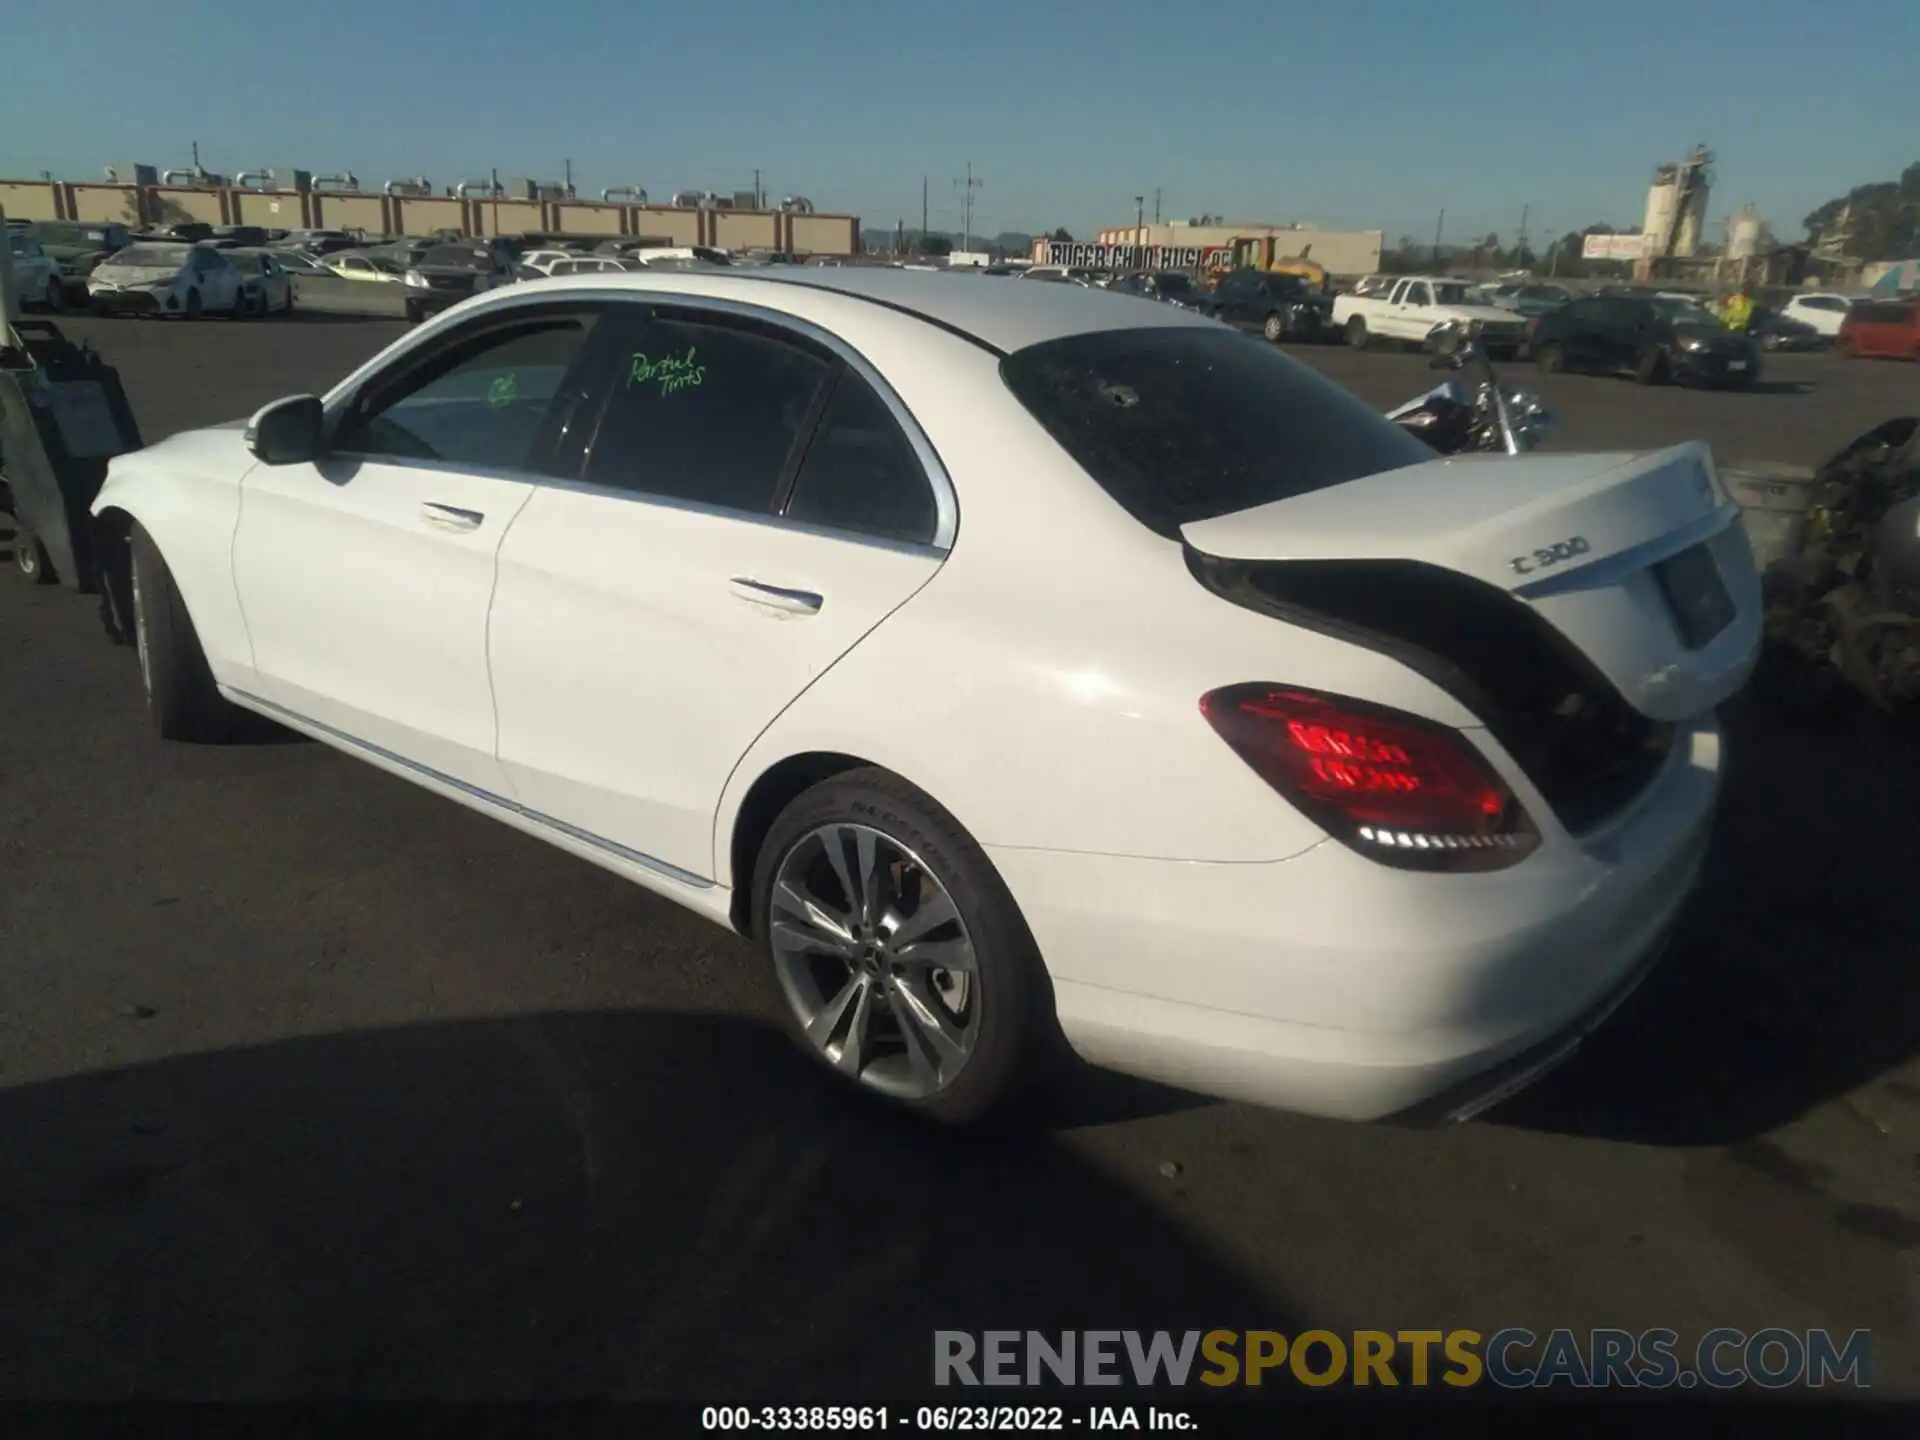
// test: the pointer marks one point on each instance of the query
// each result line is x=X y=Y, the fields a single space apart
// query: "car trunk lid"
x=1580 y=605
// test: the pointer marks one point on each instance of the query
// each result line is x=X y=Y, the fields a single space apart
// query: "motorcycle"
x=1846 y=604
x=1457 y=418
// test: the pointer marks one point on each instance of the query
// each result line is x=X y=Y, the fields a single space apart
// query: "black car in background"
x=1175 y=287
x=445 y=275
x=1280 y=307
x=1655 y=339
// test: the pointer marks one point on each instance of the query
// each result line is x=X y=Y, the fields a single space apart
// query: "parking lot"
x=312 y=1084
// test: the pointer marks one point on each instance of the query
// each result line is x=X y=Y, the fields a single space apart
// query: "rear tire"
x=192 y=309
x=183 y=703
x=1551 y=359
x=414 y=314
x=1651 y=368
x=987 y=986
x=1357 y=336
x=1274 y=328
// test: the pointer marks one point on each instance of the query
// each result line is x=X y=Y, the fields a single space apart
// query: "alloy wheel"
x=875 y=960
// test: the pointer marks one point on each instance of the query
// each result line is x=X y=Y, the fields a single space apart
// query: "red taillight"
x=1397 y=788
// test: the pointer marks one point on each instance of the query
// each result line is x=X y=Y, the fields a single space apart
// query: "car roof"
x=1001 y=318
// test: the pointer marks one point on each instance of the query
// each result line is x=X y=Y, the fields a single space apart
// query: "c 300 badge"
x=1570 y=548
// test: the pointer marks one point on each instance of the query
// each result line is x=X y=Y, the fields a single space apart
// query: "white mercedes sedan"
x=1008 y=663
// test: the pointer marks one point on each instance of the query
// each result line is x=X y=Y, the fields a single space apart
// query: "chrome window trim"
x=945 y=499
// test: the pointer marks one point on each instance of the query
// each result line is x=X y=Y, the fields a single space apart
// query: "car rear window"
x=1185 y=423
x=1881 y=312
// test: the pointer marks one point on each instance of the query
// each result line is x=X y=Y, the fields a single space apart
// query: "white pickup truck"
x=1416 y=306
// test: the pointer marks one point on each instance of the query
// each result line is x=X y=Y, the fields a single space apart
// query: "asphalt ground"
x=314 y=1085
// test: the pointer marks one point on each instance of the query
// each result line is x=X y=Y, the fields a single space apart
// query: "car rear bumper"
x=1332 y=985
x=1711 y=369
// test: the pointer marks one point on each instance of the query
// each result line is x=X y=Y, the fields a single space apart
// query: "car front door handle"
x=451 y=517
x=775 y=597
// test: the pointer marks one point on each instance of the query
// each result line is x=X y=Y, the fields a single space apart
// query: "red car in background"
x=1887 y=328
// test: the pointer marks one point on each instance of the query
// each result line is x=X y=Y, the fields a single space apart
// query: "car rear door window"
x=860 y=474
x=1182 y=423
x=707 y=411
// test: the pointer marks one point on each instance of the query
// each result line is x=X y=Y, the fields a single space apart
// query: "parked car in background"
x=1174 y=287
x=1531 y=300
x=1064 y=274
x=246 y=236
x=544 y=260
x=1653 y=338
x=170 y=279
x=268 y=289
x=319 y=242
x=1889 y=329
x=36 y=274
x=1422 y=818
x=358 y=265
x=1823 y=310
x=188 y=232
x=448 y=274
x=298 y=262
x=595 y=265
x=1419 y=305
x=78 y=247
x=1278 y=307
x=1778 y=332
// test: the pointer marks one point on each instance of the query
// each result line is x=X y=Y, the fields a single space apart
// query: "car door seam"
x=486 y=640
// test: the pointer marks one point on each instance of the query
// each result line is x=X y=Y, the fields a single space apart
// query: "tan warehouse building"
x=1344 y=253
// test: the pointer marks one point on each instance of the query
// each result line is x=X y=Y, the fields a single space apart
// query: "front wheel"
x=1274 y=327
x=192 y=310
x=1651 y=368
x=414 y=313
x=1357 y=336
x=183 y=703
x=1550 y=358
x=903 y=962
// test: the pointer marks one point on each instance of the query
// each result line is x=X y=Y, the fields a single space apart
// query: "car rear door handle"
x=775 y=597
x=451 y=517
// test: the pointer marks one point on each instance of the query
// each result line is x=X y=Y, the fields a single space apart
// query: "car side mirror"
x=287 y=432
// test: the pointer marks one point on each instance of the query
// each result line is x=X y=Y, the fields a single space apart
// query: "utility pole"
x=756 y=192
x=1520 y=247
x=923 y=207
x=569 y=165
x=971 y=184
x=1139 y=215
x=196 y=159
x=1156 y=204
x=1438 y=226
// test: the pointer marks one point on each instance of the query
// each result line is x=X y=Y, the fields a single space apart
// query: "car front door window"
x=481 y=402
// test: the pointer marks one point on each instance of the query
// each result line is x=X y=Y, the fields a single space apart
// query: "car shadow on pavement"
x=1794 y=978
x=569 y=1205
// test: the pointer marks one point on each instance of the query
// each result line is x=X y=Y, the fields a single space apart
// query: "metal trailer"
x=63 y=416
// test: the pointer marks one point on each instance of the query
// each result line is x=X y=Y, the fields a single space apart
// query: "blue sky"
x=1371 y=115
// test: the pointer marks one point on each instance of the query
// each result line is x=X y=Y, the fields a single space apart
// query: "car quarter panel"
x=185 y=492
